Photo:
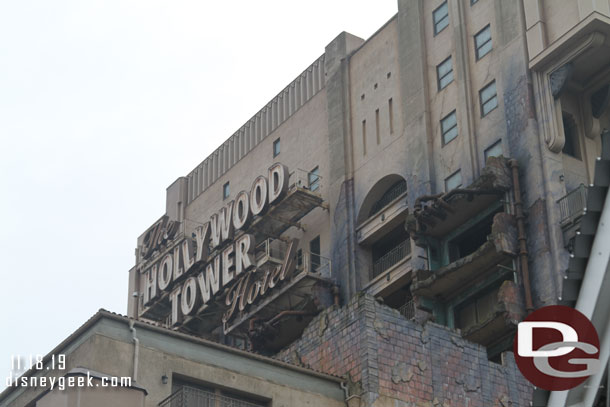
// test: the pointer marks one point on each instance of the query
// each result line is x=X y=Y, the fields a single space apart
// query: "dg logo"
x=557 y=348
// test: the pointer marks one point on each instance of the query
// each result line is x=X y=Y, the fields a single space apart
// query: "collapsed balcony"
x=471 y=245
x=304 y=195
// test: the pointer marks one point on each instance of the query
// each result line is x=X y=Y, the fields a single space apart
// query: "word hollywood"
x=195 y=271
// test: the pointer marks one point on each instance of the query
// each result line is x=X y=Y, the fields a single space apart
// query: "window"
x=313 y=179
x=441 y=18
x=444 y=72
x=570 y=132
x=276 y=148
x=482 y=42
x=225 y=191
x=489 y=98
x=207 y=395
x=495 y=150
x=449 y=127
x=472 y=2
x=453 y=181
x=314 y=252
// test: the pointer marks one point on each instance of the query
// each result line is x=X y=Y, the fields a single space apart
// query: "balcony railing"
x=308 y=180
x=407 y=309
x=391 y=258
x=313 y=263
x=573 y=205
x=270 y=249
x=192 y=397
x=394 y=192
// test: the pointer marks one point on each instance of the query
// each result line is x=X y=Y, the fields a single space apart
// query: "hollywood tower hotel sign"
x=214 y=271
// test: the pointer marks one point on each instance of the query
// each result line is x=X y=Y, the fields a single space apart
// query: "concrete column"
x=340 y=193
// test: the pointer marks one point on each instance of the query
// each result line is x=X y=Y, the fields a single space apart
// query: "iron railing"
x=407 y=309
x=308 y=180
x=573 y=205
x=192 y=397
x=270 y=249
x=394 y=192
x=313 y=263
x=394 y=256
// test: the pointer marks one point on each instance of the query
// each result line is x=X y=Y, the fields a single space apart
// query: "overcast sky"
x=103 y=104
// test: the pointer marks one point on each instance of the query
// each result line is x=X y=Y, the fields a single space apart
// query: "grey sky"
x=103 y=104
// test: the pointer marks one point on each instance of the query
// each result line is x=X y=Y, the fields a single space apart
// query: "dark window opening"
x=390 y=250
x=187 y=393
x=314 y=252
x=402 y=300
x=397 y=189
x=570 y=132
x=469 y=241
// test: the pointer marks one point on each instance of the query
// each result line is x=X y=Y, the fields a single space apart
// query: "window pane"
x=494 y=151
x=440 y=18
x=490 y=105
x=314 y=179
x=445 y=73
x=225 y=191
x=276 y=147
x=483 y=36
x=449 y=127
x=484 y=50
x=453 y=181
x=441 y=12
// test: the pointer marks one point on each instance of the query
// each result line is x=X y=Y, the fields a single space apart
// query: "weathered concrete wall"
x=394 y=362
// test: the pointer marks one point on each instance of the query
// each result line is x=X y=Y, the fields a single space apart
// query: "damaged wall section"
x=386 y=358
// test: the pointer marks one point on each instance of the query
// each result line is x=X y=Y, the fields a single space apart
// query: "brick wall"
x=395 y=362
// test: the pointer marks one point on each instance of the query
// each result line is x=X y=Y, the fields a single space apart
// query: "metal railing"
x=192 y=397
x=394 y=256
x=407 y=309
x=308 y=180
x=573 y=205
x=394 y=192
x=270 y=249
x=314 y=263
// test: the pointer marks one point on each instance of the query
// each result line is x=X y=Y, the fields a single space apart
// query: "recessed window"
x=391 y=115
x=314 y=179
x=449 y=127
x=440 y=17
x=225 y=191
x=453 y=181
x=444 y=72
x=472 y=2
x=377 y=135
x=482 y=42
x=495 y=150
x=489 y=98
x=570 y=131
x=314 y=253
x=276 y=148
x=364 y=137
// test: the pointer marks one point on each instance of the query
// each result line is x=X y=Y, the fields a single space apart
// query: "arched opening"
x=384 y=192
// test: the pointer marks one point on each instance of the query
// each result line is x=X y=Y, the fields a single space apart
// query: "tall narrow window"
x=377 y=126
x=225 y=190
x=449 y=127
x=440 y=16
x=391 y=116
x=482 y=42
x=314 y=179
x=444 y=72
x=489 y=98
x=314 y=253
x=453 y=181
x=364 y=137
x=276 y=148
x=570 y=131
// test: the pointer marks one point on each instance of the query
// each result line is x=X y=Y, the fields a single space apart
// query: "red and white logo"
x=557 y=348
